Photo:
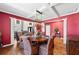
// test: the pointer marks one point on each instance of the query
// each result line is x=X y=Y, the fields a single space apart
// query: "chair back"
x=50 y=45
x=27 y=46
x=16 y=36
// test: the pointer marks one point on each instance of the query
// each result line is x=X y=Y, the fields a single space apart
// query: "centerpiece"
x=38 y=28
x=57 y=32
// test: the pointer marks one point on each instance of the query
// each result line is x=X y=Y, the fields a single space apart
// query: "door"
x=30 y=29
x=48 y=30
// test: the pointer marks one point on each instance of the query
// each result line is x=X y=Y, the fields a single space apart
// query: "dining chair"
x=16 y=36
x=47 y=49
x=27 y=47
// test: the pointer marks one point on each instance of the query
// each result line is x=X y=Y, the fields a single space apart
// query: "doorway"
x=30 y=29
x=47 y=30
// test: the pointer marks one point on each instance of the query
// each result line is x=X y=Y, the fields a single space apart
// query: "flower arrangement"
x=38 y=26
x=57 y=33
x=56 y=29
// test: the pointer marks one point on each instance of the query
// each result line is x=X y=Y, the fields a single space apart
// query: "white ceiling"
x=27 y=10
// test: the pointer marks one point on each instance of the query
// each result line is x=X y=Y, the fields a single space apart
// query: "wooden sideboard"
x=72 y=46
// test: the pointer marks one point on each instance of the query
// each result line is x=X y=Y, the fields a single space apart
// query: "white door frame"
x=65 y=30
x=12 y=20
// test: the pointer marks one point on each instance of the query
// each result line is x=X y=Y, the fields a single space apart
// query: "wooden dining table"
x=40 y=40
x=37 y=42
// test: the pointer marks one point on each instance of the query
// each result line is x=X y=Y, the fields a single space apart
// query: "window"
x=17 y=22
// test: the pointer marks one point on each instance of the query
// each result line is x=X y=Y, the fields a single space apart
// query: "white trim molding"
x=7 y=45
x=65 y=30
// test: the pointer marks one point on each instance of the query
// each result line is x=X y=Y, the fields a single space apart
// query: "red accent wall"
x=73 y=24
x=58 y=25
x=5 y=26
x=73 y=27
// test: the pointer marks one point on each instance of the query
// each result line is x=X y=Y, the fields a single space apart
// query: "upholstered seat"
x=21 y=45
x=47 y=49
x=27 y=47
x=43 y=50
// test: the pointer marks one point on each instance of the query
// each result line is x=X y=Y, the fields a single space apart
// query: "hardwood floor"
x=59 y=49
x=11 y=50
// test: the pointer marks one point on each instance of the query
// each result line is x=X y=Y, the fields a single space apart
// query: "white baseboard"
x=7 y=45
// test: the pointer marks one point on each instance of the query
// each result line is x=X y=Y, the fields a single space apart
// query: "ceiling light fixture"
x=38 y=13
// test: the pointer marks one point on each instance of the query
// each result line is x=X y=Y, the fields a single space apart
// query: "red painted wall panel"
x=58 y=25
x=5 y=28
x=0 y=24
x=73 y=27
x=73 y=24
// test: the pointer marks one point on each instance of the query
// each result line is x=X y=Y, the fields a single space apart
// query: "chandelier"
x=36 y=16
x=38 y=21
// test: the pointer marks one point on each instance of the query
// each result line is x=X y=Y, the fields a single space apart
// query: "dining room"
x=39 y=28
